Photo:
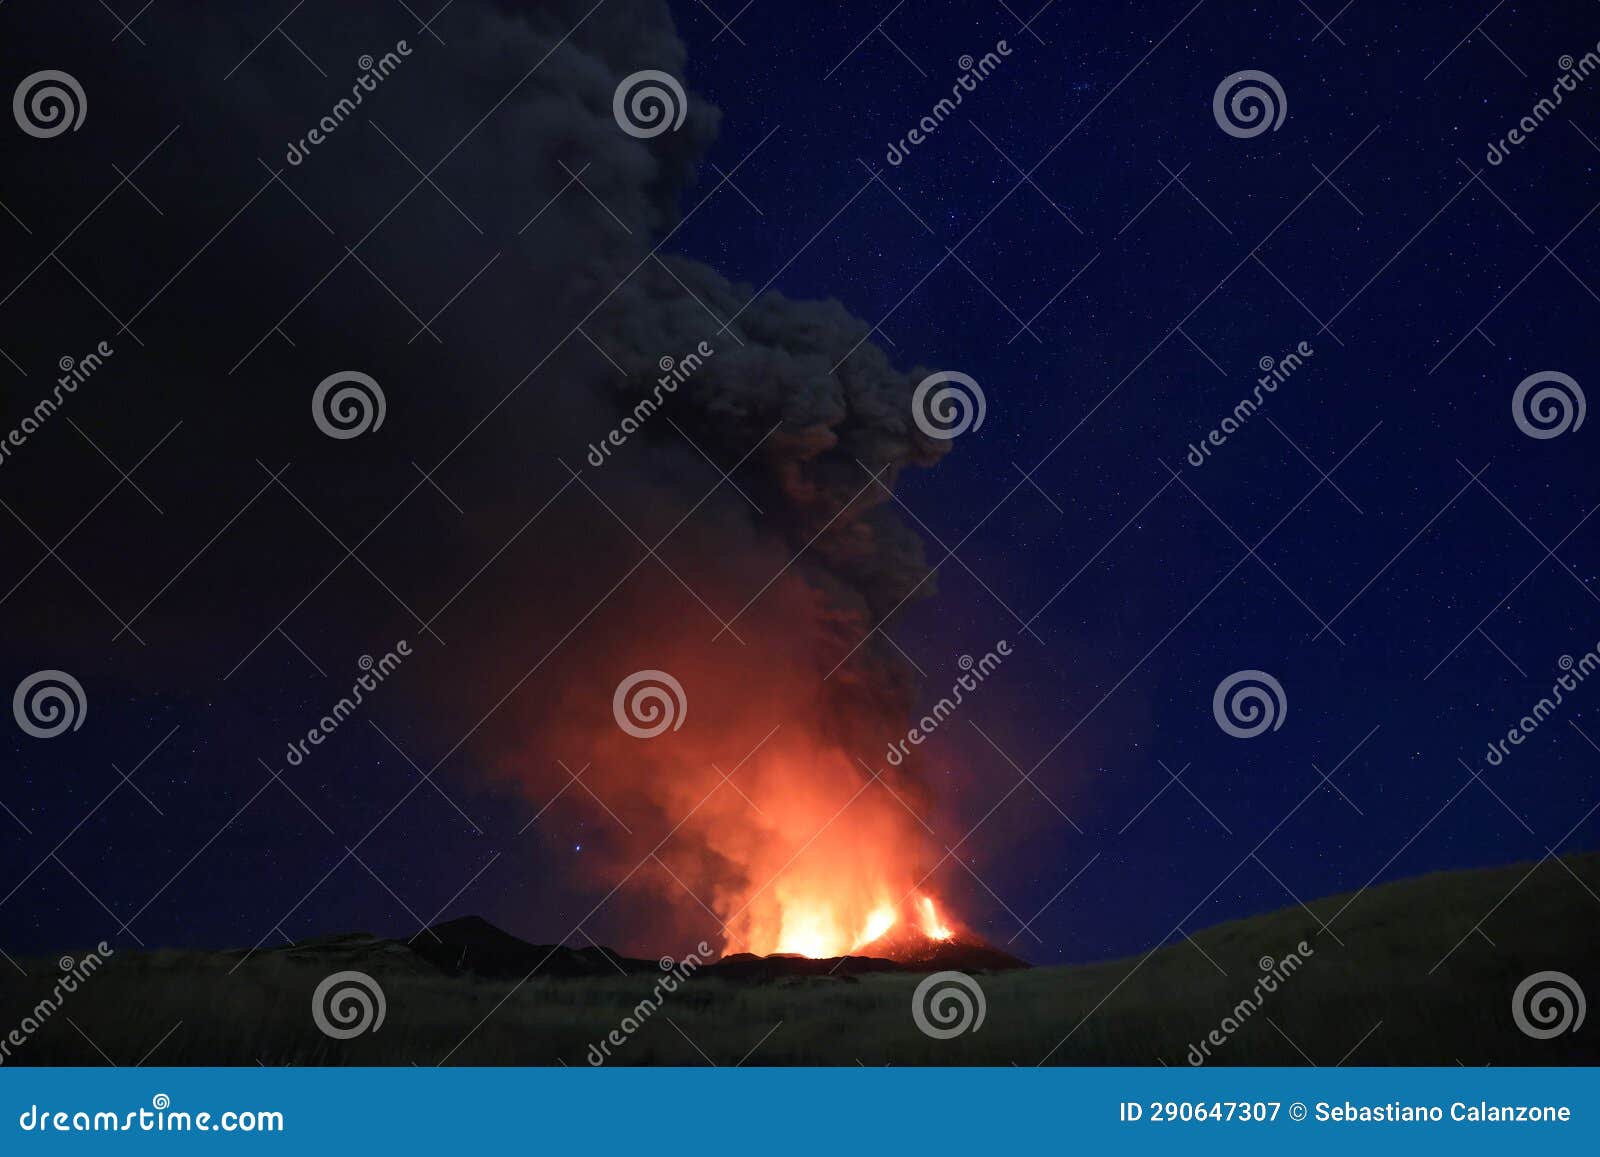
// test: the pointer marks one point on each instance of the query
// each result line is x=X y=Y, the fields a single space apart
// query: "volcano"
x=906 y=952
x=473 y=946
x=918 y=939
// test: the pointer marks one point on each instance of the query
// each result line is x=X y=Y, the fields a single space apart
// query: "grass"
x=1411 y=983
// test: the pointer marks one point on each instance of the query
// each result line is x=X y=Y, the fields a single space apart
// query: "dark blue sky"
x=1400 y=260
x=1408 y=603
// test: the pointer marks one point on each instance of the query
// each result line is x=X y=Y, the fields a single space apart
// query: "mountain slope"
x=1419 y=971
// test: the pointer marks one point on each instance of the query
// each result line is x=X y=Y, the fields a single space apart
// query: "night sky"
x=1079 y=236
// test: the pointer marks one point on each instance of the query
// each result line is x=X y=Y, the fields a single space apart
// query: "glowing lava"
x=821 y=930
x=932 y=926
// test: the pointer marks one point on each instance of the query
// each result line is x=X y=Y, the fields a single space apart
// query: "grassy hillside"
x=1381 y=997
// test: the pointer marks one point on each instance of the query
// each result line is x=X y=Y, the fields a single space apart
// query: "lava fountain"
x=758 y=808
x=832 y=859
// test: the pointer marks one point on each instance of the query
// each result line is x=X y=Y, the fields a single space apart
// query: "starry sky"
x=1079 y=236
x=1145 y=593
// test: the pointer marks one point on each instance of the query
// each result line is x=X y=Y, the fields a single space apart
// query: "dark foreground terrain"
x=1402 y=974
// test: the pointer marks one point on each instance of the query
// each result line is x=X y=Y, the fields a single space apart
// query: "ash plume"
x=533 y=600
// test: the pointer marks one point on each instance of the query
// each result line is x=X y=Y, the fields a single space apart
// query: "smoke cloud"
x=759 y=593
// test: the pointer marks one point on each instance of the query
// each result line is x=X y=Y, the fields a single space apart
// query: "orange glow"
x=932 y=926
x=757 y=813
x=881 y=920
x=822 y=929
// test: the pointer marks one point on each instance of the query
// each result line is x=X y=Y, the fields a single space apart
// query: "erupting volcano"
x=742 y=751
x=749 y=810
x=890 y=931
x=914 y=935
x=808 y=855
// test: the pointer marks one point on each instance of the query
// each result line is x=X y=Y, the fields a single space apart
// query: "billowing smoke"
x=763 y=602
x=758 y=593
